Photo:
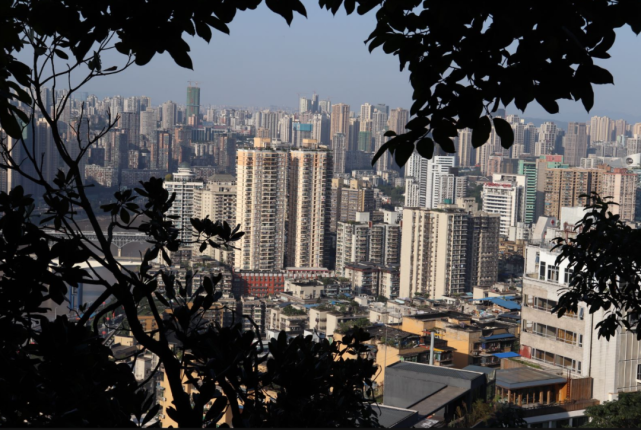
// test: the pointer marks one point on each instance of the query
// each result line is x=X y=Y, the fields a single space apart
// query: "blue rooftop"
x=506 y=354
x=499 y=337
x=501 y=302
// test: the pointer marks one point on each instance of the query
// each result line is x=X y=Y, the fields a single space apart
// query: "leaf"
x=403 y=152
x=124 y=216
x=208 y=285
x=505 y=132
x=425 y=147
x=61 y=54
x=384 y=147
x=599 y=75
x=481 y=132
x=181 y=57
x=10 y=124
x=390 y=133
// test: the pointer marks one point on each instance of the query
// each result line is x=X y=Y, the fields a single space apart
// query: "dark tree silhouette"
x=59 y=373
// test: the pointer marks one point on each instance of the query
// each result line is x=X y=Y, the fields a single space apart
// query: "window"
x=581 y=313
x=553 y=273
x=542 y=271
x=568 y=275
x=638 y=372
x=580 y=340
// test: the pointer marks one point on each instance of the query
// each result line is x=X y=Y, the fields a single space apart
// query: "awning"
x=503 y=336
x=506 y=354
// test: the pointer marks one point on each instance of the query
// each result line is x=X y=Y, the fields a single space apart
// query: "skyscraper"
x=505 y=196
x=425 y=183
x=563 y=188
x=169 y=111
x=433 y=252
x=261 y=207
x=528 y=169
x=547 y=139
x=340 y=122
x=184 y=185
x=309 y=199
x=193 y=104
x=398 y=118
x=575 y=144
x=217 y=199
x=465 y=153
x=601 y=128
x=148 y=125
x=621 y=185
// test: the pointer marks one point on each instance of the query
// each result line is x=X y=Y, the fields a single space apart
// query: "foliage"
x=396 y=194
x=381 y=299
x=350 y=326
x=476 y=191
x=59 y=373
x=466 y=58
x=605 y=262
x=485 y=414
x=291 y=311
x=622 y=413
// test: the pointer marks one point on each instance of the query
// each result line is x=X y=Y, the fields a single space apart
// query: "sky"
x=266 y=63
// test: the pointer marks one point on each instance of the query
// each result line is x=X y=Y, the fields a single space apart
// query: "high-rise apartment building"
x=433 y=252
x=130 y=123
x=528 y=169
x=339 y=146
x=601 y=128
x=217 y=200
x=505 y=196
x=621 y=185
x=575 y=144
x=430 y=183
x=546 y=142
x=633 y=144
x=447 y=251
x=465 y=153
x=339 y=122
x=169 y=115
x=184 y=185
x=261 y=207
x=362 y=241
x=321 y=129
x=563 y=188
x=309 y=200
x=482 y=267
x=193 y=104
x=398 y=118
x=148 y=125
x=270 y=122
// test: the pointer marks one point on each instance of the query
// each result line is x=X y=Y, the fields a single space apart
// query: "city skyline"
x=331 y=58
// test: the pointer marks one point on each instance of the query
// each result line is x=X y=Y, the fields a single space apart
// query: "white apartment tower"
x=433 y=252
x=309 y=197
x=217 y=200
x=261 y=206
x=505 y=196
x=185 y=187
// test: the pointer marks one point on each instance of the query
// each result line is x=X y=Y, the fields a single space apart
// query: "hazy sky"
x=264 y=62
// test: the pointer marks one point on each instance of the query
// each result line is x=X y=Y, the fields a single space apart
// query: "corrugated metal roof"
x=525 y=377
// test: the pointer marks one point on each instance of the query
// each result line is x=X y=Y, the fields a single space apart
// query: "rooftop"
x=436 y=370
x=525 y=377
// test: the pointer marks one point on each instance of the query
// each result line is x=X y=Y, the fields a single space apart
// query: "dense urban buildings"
x=457 y=245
